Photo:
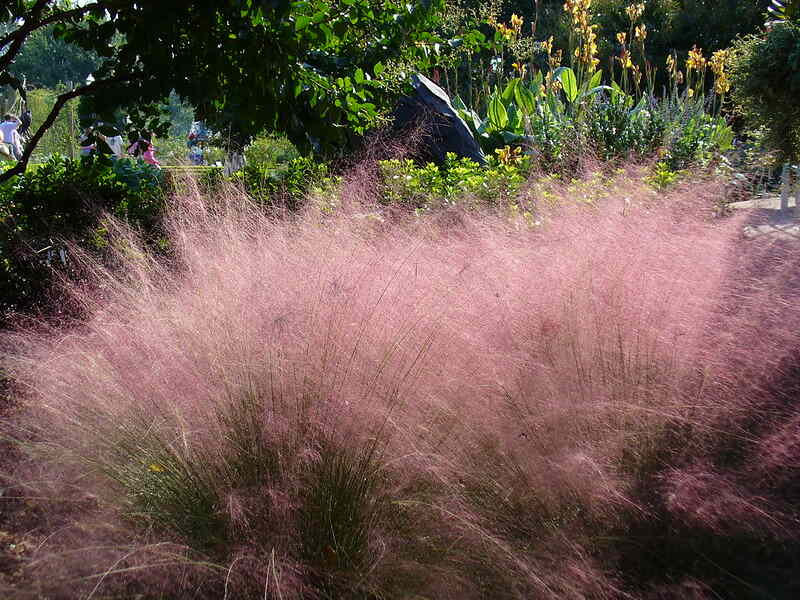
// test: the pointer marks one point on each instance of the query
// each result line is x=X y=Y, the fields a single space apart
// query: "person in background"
x=88 y=143
x=10 y=136
x=144 y=149
x=114 y=142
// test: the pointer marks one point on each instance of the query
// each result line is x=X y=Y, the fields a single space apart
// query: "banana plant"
x=512 y=110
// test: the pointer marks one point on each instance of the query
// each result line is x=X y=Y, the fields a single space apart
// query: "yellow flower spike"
x=637 y=74
x=695 y=60
x=516 y=22
x=621 y=38
x=718 y=61
x=722 y=85
x=635 y=12
x=548 y=45
x=640 y=33
x=624 y=59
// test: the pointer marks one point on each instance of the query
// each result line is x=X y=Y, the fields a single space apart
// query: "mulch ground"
x=20 y=519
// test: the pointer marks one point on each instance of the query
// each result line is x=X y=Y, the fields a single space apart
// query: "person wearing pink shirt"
x=144 y=149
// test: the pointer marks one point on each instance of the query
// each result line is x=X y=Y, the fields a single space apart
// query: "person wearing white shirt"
x=10 y=136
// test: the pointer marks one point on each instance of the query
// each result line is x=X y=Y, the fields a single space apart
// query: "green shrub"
x=405 y=183
x=284 y=185
x=696 y=140
x=765 y=78
x=618 y=129
x=268 y=151
x=64 y=199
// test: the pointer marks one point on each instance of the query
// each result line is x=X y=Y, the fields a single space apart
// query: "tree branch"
x=17 y=38
x=61 y=100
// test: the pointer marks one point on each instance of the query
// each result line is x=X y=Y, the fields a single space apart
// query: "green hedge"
x=64 y=199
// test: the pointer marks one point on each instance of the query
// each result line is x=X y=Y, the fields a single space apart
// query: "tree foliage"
x=46 y=61
x=314 y=69
x=765 y=79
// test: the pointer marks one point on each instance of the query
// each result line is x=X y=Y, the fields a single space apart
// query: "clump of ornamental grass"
x=360 y=404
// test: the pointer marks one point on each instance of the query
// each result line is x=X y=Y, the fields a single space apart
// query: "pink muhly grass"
x=333 y=403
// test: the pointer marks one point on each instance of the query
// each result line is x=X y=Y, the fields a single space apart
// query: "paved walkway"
x=768 y=219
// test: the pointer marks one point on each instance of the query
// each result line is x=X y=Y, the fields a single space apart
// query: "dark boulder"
x=430 y=112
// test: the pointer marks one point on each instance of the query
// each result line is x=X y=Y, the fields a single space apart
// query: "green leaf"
x=514 y=119
x=510 y=137
x=596 y=79
x=569 y=82
x=595 y=90
x=498 y=117
x=508 y=93
x=525 y=99
x=378 y=69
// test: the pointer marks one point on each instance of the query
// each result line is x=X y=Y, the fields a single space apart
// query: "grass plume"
x=463 y=405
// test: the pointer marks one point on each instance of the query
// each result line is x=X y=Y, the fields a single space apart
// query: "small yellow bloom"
x=621 y=38
x=516 y=23
x=156 y=468
x=509 y=156
x=640 y=33
x=520 y=68
x=690 y=92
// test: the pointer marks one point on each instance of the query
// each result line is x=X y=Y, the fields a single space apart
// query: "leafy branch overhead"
x=313 y=69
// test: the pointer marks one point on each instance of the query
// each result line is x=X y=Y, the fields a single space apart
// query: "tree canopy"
x=46 y=61
x=313 y=69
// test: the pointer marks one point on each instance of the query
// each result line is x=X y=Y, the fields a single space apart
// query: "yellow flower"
x=521 y=68
x=516 y=23
x=509 y=156
x=156 y=468
x=624 y=59
x=621 y=38
x=695 y=61
x=722 y=85
x=635 y=12
x=640 y=33
x=637 y=74
x=718 y=61
x=548 y=45
x=690 y=92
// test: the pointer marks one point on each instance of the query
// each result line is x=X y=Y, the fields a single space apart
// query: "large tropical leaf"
x=498 y=116
x=569 y=82
x=784 y=10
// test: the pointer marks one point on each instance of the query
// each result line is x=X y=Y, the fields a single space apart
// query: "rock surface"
x=443 y=130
